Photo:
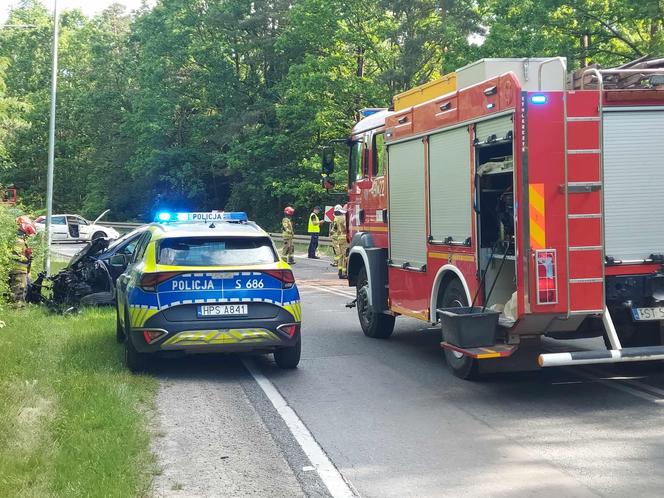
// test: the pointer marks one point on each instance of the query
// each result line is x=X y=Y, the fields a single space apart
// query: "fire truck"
x=512 y=186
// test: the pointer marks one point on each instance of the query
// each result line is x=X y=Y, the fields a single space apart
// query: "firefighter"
x=314 y=231
x=339 y=241
x=21 y=259
x=287 y=235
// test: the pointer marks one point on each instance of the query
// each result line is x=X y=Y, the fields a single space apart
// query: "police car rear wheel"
x=374 y=325
x=288 y=357
x=119 y=330
x=135 y=361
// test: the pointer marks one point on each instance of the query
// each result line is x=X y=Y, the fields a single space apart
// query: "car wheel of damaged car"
x=98 y=235
x=288 y=357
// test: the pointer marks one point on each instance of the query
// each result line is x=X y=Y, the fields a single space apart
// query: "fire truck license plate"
x=223 y=310
x=644 y=314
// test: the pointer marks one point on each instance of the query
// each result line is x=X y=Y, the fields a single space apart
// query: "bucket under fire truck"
x=511 y=188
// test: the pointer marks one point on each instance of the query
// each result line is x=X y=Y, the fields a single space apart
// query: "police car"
x=206 y=283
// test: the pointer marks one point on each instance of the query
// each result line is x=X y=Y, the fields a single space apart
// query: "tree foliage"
x=213 y=104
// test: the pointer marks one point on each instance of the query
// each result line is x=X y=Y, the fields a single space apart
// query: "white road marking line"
x=331 y=291
x=329 y=474
x=631 y=381
x=639 y=389
x=617 y=385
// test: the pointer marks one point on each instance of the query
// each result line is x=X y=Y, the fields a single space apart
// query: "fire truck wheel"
x=634 y=335
x=461 y=365
x=375 y=325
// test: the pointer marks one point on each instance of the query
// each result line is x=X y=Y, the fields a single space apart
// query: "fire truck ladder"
x=584 y=201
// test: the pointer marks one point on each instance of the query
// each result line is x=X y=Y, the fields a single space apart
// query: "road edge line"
x=329 y=474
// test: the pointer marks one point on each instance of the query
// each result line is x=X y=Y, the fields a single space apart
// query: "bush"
x=8 y=217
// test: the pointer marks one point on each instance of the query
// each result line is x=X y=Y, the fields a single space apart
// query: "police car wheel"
x=374 y=325
x=119 y=330
x=136 y=362
x=288 y=357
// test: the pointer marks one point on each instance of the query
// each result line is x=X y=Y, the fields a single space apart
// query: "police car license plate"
x=223 y=310
x=647 y=314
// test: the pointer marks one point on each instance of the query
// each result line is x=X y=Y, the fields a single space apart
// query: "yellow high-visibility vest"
x=314 y=226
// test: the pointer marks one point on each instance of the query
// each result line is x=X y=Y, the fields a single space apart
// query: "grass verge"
x=73 y=421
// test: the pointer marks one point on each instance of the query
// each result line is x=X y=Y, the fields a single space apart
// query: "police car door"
x=130 y=276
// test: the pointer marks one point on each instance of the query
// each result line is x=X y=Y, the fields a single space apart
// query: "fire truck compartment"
x=494 y=186
x=633 y=142
x=407 y=216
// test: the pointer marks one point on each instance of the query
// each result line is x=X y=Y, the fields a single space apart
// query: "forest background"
x=224 y=104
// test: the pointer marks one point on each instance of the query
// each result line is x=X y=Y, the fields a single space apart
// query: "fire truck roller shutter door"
x=449 y=185
x=407 y=207
x=498 y=127
x=633 y=184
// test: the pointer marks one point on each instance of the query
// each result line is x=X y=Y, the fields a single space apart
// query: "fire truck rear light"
x=151 y=336
x=290 y=328
x=539 y=99
x=547 y=276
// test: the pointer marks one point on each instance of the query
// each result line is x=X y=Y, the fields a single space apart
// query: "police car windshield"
x=218 y=251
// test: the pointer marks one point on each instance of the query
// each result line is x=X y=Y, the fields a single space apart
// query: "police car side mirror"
x=118 y=261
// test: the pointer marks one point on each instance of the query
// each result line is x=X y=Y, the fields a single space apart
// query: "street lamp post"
x=51 y=140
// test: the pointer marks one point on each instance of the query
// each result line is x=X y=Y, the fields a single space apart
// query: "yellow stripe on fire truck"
x=537 y=216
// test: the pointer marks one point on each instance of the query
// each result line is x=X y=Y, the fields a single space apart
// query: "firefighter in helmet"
x=21 y=260
x=287 y=234
x=339 y=241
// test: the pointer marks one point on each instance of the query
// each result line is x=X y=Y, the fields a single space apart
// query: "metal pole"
x=51 y=140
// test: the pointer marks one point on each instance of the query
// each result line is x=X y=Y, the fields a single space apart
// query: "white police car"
x=206 y=283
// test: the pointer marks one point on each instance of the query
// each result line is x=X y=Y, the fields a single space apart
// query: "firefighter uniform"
x=339 y=242
x=18 y=276
x=287 y=235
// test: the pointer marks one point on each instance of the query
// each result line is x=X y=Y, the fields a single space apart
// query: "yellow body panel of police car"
x=204 y=283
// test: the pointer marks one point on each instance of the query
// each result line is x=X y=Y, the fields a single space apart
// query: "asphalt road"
x=395 y=422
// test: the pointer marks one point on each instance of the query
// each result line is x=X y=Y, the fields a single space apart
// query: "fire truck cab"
x=499 y=187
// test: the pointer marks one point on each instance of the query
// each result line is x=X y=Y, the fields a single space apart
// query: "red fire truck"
x=513 y=192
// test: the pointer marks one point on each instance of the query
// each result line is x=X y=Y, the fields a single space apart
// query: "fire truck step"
x=650 y=353
x=483 y=353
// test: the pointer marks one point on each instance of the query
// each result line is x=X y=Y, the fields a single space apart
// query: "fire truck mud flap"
x=650 y=353
x=374 y=260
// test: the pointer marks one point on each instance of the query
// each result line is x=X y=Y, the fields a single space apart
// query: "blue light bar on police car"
x=538 y=99
x=236 y=216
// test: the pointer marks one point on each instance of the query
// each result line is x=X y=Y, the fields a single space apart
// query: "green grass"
x=73 y=421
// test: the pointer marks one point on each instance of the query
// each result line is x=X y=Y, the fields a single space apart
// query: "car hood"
x=100 y=217
x=91 y=249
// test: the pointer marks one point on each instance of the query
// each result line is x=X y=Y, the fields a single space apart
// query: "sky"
x=89 y=7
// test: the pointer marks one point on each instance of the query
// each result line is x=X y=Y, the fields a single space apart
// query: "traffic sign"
x=329 y=214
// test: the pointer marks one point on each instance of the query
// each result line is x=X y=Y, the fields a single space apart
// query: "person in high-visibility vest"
x=339 y=241
x=314 y=231
x=287 y=235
